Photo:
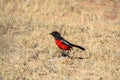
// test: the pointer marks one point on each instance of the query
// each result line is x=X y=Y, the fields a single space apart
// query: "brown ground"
x=28 y=52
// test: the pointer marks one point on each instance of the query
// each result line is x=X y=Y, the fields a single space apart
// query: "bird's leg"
x=64 y=54
x=68 y=54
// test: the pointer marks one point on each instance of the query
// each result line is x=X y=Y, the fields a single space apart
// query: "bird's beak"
x=50 y=33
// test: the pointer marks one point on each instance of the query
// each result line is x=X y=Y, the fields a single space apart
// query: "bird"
x=63 y=44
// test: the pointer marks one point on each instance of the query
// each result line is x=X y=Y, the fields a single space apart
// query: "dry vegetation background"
x=28 y=52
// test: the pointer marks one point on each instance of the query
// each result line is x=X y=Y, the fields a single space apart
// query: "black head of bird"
x=55 y=34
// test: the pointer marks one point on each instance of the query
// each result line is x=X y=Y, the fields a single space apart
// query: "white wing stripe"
x=65 y=42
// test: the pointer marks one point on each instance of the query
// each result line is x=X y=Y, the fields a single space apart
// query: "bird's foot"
x=64 y=55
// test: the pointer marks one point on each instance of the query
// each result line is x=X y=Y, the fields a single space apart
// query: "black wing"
x=66 y=42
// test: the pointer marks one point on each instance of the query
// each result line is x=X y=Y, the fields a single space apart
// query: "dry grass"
x=27 y=51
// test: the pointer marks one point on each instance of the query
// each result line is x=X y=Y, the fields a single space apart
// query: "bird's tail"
x=78 y=46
